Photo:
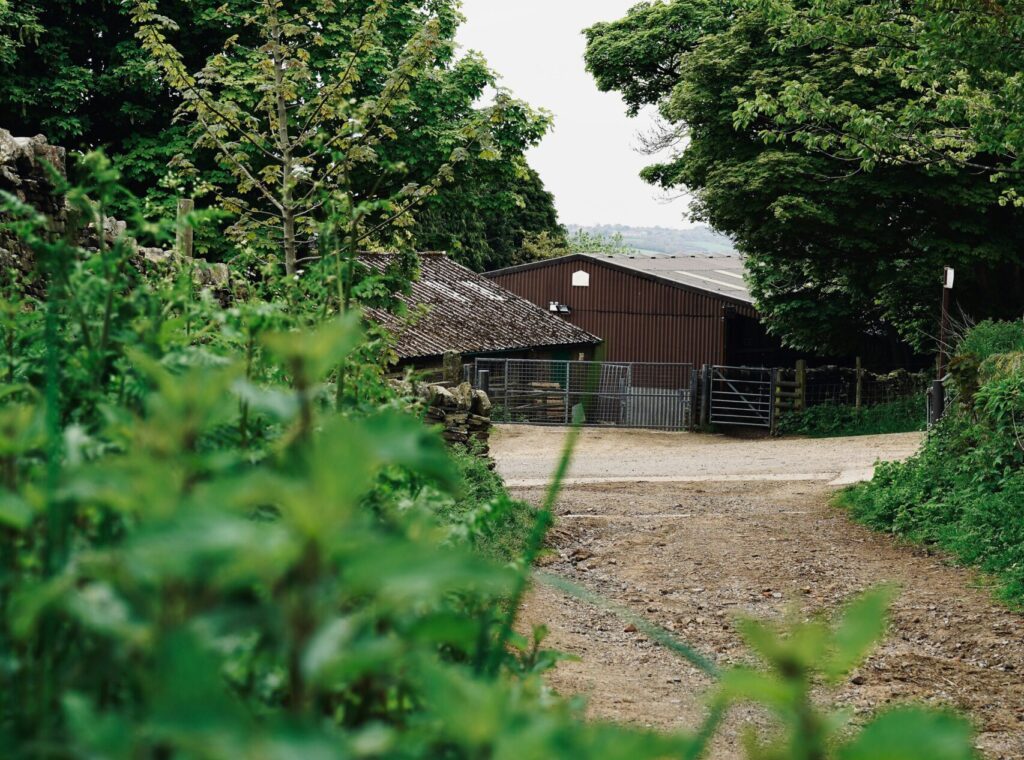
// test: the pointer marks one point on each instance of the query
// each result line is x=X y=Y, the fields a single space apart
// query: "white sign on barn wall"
x=581 y=279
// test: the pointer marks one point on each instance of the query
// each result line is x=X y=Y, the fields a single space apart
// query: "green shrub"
x=964 y=490
x=989 y=338
x=483 y=514
x=831 y=420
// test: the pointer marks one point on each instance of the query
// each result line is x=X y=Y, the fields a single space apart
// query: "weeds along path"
x=693 y=531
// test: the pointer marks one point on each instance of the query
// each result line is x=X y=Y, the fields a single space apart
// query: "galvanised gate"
x=544 y=392
x=628 y=394
x=740 y=396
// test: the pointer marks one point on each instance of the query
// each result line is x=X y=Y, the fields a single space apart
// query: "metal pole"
x=566 y=393
x=944 y=332
x=705 y=396
x=771 y=407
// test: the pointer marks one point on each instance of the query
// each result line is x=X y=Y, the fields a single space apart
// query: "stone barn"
x=453 y=309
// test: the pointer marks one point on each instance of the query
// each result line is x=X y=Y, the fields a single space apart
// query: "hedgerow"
x=964 y=490
x=832 y=420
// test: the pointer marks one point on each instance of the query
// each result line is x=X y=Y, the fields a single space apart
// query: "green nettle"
x=292 y=125
x=208 y=552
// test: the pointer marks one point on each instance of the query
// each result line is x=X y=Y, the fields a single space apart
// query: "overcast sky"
x=589 y=161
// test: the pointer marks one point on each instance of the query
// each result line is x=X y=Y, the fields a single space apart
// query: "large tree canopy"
x=80 y=76
x=837 y=249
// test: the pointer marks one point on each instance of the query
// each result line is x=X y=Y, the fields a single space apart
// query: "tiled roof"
x=469 y=314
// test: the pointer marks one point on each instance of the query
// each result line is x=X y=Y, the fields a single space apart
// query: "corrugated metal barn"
x=466 y=313
x=688 y=309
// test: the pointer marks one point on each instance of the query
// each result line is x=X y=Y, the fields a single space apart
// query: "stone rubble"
x=25 y=173
x=464 y=413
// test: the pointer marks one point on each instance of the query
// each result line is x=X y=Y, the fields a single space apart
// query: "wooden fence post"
x=183 y=237
x=860 y=383
x=801 y=384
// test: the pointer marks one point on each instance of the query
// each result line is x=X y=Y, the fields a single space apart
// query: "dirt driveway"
x=692 y=531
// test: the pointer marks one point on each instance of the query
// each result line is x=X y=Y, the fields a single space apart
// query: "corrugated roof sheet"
x=469 y=313
x=720 y=275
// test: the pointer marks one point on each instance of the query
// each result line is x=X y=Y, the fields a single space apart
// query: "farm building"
x=692 y=309
x=466 y=313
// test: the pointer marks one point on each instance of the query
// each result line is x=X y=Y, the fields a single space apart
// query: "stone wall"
x=23 y=174
x=465 y=414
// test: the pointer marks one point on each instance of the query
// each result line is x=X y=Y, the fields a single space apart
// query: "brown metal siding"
x=640 y=319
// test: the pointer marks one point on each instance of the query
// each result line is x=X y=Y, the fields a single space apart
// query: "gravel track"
x=732 y=527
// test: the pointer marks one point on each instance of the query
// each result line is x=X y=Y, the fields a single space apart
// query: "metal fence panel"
x=742 y=396
x=544 y=392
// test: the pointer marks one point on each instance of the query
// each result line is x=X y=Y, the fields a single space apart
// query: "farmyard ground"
x=693 y=531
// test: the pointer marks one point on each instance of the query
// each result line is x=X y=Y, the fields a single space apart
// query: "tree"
x=286 y=122
x=85 y=81
x=958 y=63
x=836 y=253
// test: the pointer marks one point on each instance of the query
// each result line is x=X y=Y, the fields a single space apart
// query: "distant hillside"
x=662 y=239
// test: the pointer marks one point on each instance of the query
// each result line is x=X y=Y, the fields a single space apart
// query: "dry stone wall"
x=463 y=412
x=24 y=174
x=27 y=167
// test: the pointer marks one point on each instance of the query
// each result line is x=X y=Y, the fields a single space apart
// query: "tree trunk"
x=290 y=256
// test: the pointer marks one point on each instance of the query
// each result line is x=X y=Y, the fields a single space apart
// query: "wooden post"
x=860 y=383
x=943 y=334
x=936 y=402
x=801 y=384
x=183 y=238
x=705 y=396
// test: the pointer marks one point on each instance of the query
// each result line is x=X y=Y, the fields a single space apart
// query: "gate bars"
x=741 y=396
x=657 y=396
x=623 y=394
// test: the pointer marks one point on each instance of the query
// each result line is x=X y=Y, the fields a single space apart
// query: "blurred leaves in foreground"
x=211 y=549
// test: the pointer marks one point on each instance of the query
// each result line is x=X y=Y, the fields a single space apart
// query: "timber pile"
x=549 y=401
x=465 y=414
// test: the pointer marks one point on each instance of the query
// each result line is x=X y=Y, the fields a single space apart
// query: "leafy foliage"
x=836 y=250
x=224 y=535
x=84 y=80
x=833 y=420
x=958 y=65
x=963 y=490
x=809 y=650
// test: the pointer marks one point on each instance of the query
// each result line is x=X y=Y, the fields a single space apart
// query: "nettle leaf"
x=913 y=734
x=15 y=512
x=861 y=627
x=318 y=351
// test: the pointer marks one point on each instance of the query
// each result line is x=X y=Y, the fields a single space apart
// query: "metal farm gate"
x=544 y=392
x=647 y=395
x=740 y=396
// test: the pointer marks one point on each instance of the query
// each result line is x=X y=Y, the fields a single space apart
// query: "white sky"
x=589 y=161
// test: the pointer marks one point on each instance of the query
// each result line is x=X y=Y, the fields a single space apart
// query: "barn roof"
x=469 y=314
x=719 y=275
